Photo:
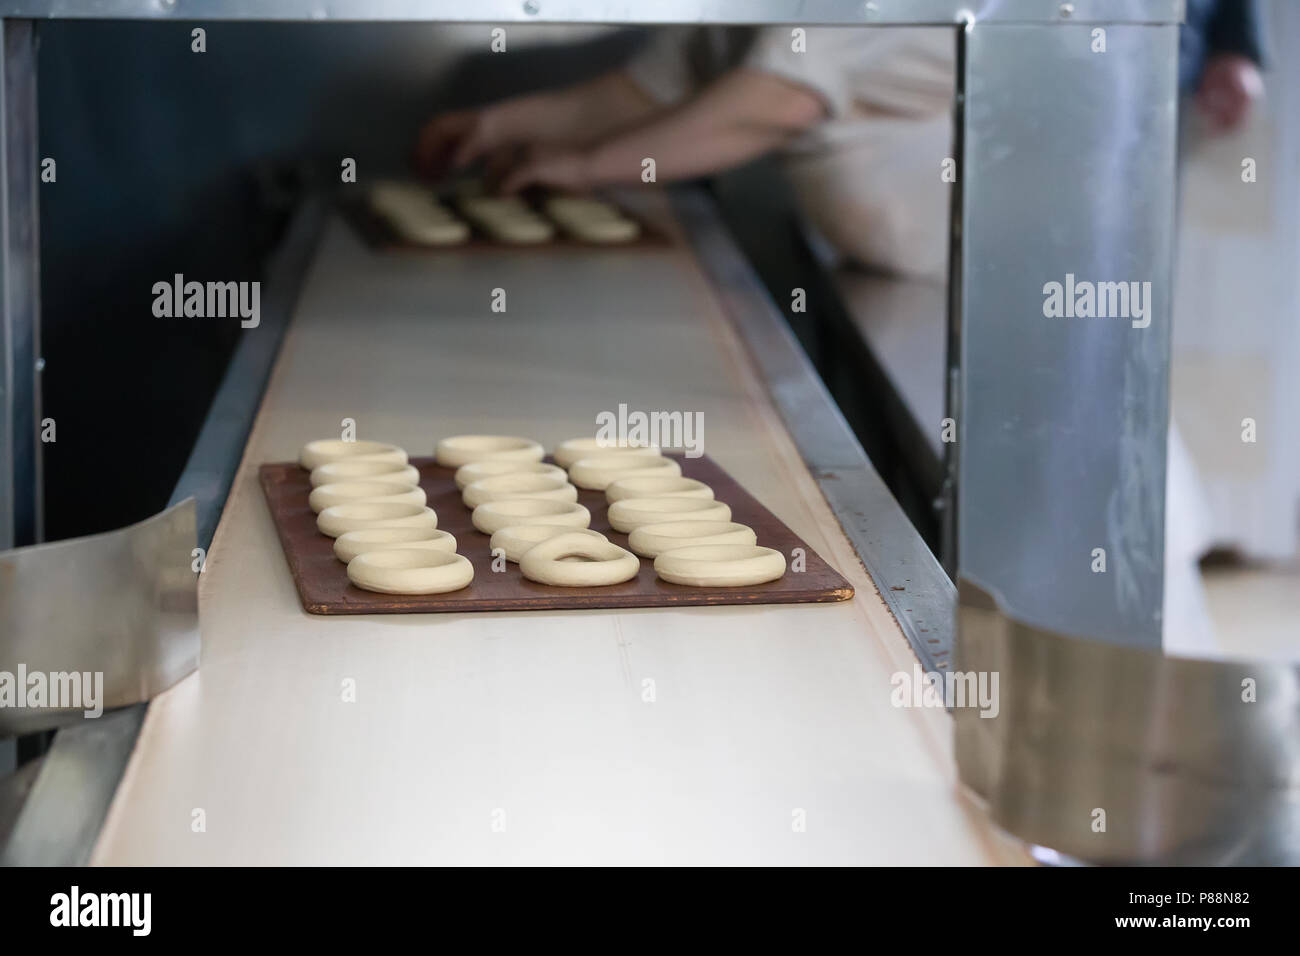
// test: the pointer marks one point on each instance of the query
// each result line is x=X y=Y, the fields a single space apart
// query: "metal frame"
x=1022 y=70
x=645 y=12
x=20 y=480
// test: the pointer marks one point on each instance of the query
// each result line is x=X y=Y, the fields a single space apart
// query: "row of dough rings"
x=576 y=449
x=461 y=450
x=515 y=539
x=338 y=493
x=650 y=540
x=492 y=516
x=631 y=513
x=382 y=528
x=358 y=469
x=599 y=472
x=410 y=571
x=352 y=543
x=604 y=563
x=667 y=486
x=328 y=450
x=518 y=485
x=720 y=565
x=354 y=516
x=492 y=467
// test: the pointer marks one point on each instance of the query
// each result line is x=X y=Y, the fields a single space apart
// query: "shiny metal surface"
x=1062 y=421
x=609 y=11
x=60 y=821
x=123 y=603
x=61 y=817
x=20 y=480
x=1183 y=764
x=911 y=582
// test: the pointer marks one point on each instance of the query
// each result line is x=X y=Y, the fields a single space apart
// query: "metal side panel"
x=1122 y=755
x=220 y=445
x=20 y=495
x=60 y=820
x=118 y=608
x=911 y=582
x=1068 y=178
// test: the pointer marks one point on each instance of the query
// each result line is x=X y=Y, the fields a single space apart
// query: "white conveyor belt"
x=744 y=735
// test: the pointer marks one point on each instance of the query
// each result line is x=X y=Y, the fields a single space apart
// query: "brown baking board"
x=324 y=587
x=377 y=234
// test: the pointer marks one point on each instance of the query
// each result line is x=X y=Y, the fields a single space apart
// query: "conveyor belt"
x=739 y=735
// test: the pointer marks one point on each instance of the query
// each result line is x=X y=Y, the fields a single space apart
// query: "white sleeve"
x=662 y=69
x=811 y=58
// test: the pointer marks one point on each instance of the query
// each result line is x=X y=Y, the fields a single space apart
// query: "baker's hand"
x=558 y=167
x=1229 y=87
x=453 y=140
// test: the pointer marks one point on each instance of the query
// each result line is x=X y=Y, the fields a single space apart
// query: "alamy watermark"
x=129 y=910
x=208 y=300
x=978 y=689
x=61 y=690
x=1075 y=299
x=683 y=430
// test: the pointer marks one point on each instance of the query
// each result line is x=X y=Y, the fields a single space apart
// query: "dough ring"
x=495 y=515
x=515 y=539
x=491 y=467
x=591 y=220
x=720 y=565
x=340 y=519
x=669 y=486
x=347 y=546
x=631 y=513
x=326 y=450
x=325 y=496
x=416 y=215
x=601 y=562
x=463 y=449
x=518 y=485
x=410 y=571
x=507 y=218
x=360 y=469
x=650 y=540
x=576 y=449
x=599 y=472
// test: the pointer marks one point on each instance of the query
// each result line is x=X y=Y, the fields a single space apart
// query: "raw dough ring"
x=325 y=450
x=600 y=472
x=495 y=515
x=576 y=449
x=491 y=467
x=606 y=562
x=363 y=468
x=515 y=539
x=410 y=571
x=669 y=486
x=720 y=565
x=517 y=485
x=339 y=493
x=340 y=519
x=462 y=449
x=651 y=540
x=347 y=546
x=631 y=513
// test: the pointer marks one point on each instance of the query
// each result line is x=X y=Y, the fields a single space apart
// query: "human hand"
x=1230 y=85
x=453 y=140
x=558 y=167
